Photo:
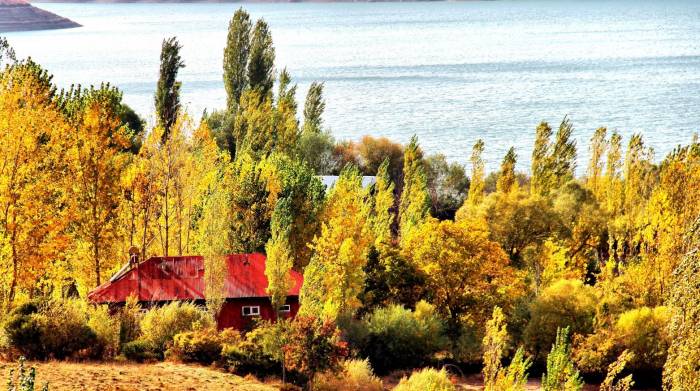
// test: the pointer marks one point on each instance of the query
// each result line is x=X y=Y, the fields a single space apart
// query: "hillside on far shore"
x=19 y=15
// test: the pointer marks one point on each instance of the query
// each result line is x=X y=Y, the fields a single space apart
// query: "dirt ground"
x=473 y=382
x=133 y=377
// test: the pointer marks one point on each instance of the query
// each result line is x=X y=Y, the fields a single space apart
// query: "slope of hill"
x=19 y=15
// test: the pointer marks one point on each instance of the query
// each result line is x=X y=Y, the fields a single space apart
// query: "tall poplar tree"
x=540 y=159
x=313 y=108
x=335 y=276
x=477 y=184
x=167 y=98
x=595 y=167
x=506 y=178
x=261 y=60
x=415 y=200
x=236 y=55
x=98 y=163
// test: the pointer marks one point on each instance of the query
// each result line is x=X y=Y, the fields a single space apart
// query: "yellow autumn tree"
x=98 y=161
x=33 y=137
x=466 y=272
x=335 y=277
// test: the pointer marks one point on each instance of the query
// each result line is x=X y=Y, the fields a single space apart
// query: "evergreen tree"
x=477 y=185
x=415 y=200
x=236 y=55
x=261 y=61
x=313 y=108
x=167 y=97
x=507 y=181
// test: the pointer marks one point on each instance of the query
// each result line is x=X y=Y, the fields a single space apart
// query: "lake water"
x=449 y=72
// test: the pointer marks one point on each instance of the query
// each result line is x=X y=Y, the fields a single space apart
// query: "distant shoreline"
x=230 y=1
x=20 y=16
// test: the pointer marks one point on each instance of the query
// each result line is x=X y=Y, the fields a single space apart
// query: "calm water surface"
x=449 y=72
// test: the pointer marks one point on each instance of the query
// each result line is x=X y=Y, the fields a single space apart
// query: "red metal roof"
x=182 y=278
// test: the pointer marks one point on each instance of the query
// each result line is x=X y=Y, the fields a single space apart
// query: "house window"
x=286 y=308
x=252 y=310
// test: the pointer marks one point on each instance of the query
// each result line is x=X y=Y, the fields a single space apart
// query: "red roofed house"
x=161 y=280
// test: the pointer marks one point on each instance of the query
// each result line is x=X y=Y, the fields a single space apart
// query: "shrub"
x=24 y=380
x=566 y=303
x=426 y=380
x=257 y=353
x=23 y=332
x=644 y=332
x=57 y=329
x=129 y=321
x=66 y=331
x=356 y=375
x=611 y=382
x=201 y=346
x=561 y=374
x=106 y=330
x=160 y=325
x=514 y=377
x=401 y=338
x=313 y=346
x=138 y=351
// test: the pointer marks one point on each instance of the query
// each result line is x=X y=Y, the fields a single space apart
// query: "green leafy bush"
x=426 y=380
x=400 y=338
x=106 y=328
x=566 y=303
x=354 y=375
x=129 y=321
x=202 y=346
x=160 y=325
x=56 y=329
x=139 y=351
x=258 y=353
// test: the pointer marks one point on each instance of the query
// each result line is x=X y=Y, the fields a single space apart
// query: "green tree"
x=167 y=97
x=236 y=55
x=563 y=154
x=561 y=374
x=261 y=74
x=540 y=159
x=313 y=108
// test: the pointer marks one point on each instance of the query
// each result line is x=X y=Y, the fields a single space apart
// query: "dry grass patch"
x=132 y=377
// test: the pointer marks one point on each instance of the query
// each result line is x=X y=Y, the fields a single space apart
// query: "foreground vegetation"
x=572 y=277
